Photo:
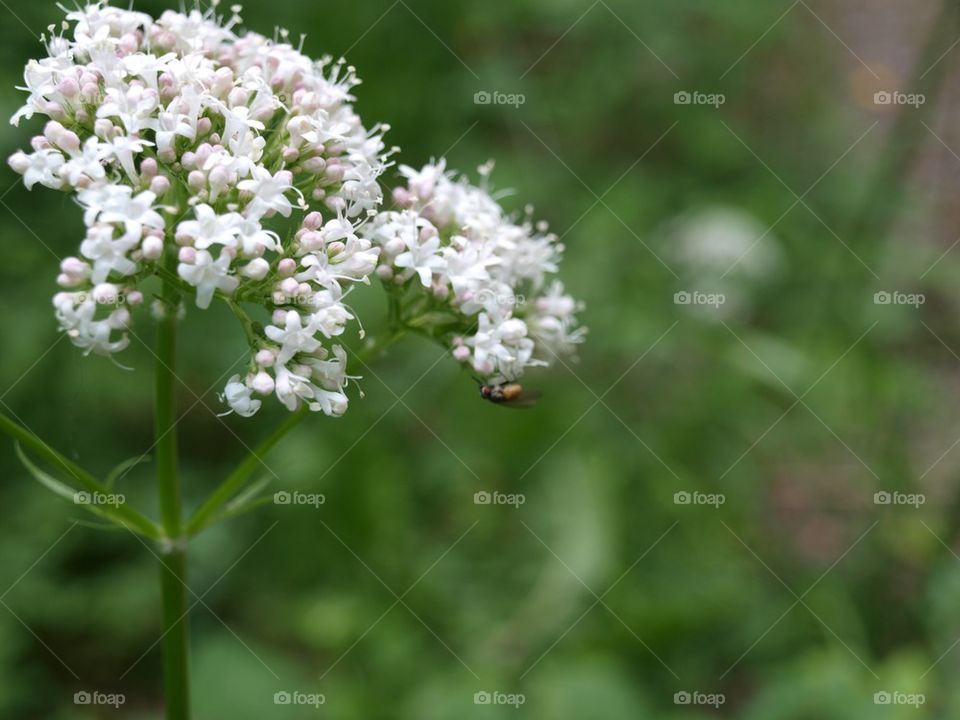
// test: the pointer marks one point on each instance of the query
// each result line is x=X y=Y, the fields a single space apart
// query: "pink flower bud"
x=106 y=294
x=289 y=286
x=256 y=269
x=197 y=180
x=69 y=88
x=148 y=168
x=311 y=241
x=315 y=165
x=53 y=130
x=69 y=141
x=152 y=247
x=238 y=97
x=313 y=221
x=336 y=203
x=160 y=185
x=286 y=267
x=262 y=383
x=334 y=172
x=90 y=92
x=129 y=44
x=187 y=255
x=265 y=358
x=135 y=298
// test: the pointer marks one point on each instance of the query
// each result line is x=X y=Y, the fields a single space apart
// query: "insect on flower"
x=512 y=395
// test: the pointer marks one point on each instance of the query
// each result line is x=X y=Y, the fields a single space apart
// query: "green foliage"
x=399 y=597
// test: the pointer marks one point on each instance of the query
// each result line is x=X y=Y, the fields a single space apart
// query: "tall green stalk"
x=173 y=565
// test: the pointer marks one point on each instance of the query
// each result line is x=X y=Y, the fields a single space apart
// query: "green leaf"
x=45 y=479
x=241 y=504
x=121 y=470
x=67 y=492
x=245 y=497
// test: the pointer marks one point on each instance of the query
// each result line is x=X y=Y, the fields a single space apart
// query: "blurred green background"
x=602 y=596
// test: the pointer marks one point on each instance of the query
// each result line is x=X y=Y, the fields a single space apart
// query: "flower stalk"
x=173 y=558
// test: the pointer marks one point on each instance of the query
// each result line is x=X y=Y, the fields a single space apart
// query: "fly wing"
x=527 y=399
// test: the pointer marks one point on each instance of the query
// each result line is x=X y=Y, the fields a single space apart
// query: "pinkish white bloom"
x=159 y=128
x=484 y=273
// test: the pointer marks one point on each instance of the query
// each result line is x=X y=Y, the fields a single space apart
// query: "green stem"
x=173 y=564
x=242 y=473
x=236 y=480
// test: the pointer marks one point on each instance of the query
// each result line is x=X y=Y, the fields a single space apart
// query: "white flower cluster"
x=482 y=275
x=182 y=141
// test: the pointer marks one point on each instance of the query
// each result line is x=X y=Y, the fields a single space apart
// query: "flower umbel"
x=470 y=275
x=188 y=145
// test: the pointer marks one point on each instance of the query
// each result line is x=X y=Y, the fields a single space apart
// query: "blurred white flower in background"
x=723 y=253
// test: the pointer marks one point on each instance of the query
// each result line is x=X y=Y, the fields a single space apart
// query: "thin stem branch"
x=242 y=473
x=122 y=514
